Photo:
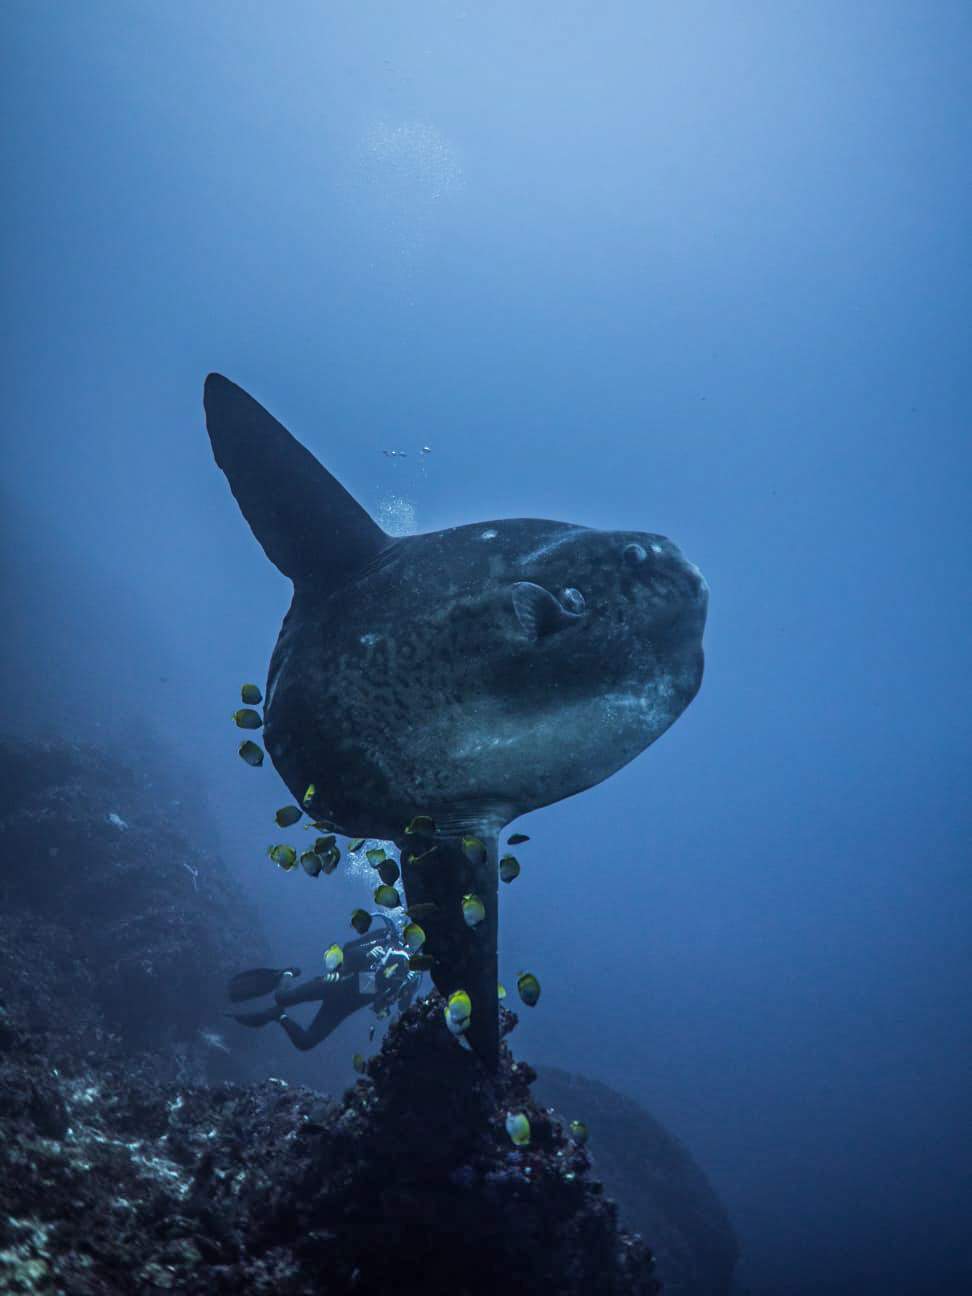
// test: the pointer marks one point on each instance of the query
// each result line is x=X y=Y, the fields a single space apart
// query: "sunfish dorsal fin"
x=308 y=524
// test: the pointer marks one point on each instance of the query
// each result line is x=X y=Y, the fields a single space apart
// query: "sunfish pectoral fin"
x=436 y=876
x=538 y=611
x=308 y=524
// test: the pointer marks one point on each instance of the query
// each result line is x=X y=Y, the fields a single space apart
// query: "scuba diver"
x=374 y=971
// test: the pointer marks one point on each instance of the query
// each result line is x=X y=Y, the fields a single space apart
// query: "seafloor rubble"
x=114 y=1182
x=132 y=1159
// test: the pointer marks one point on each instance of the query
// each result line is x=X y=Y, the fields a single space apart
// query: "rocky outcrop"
x=112 y=1182
x=662 y=1193
x=117 y=932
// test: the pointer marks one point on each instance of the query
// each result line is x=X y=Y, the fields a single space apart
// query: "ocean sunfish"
x=467 y=675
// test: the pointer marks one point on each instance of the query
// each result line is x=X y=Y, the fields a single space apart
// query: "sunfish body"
x=468 y=675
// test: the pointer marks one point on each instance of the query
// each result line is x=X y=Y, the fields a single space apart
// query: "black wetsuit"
x=361 y=981
x=340 y=995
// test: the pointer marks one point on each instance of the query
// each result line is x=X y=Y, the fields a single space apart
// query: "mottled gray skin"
x=414 y=689
x=468 y=675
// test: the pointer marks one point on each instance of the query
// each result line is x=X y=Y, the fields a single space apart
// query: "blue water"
x=701 y=269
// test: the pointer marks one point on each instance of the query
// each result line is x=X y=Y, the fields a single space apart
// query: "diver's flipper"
x=436 y=875
x=262 y=1017
x=257 y=981
x=307 y=523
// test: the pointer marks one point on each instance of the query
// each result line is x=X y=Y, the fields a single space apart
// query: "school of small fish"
x=324 y=858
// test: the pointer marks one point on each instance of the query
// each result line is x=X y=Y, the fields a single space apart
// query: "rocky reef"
x=114 y=1182
x=117 y=932
x=138 y=1156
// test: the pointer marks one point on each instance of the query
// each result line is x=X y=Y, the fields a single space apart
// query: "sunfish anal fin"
x=436 y=872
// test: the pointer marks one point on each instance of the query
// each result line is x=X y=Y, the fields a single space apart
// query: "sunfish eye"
x=634 y=554
x=573 y=600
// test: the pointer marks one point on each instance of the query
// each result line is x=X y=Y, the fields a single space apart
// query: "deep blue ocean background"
x=701 y=269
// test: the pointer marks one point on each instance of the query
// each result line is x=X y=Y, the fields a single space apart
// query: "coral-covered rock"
x=428 y=1176
x=112 y=1182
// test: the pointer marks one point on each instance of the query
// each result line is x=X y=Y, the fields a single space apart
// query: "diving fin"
x=262 y=1017
x=257 y=981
